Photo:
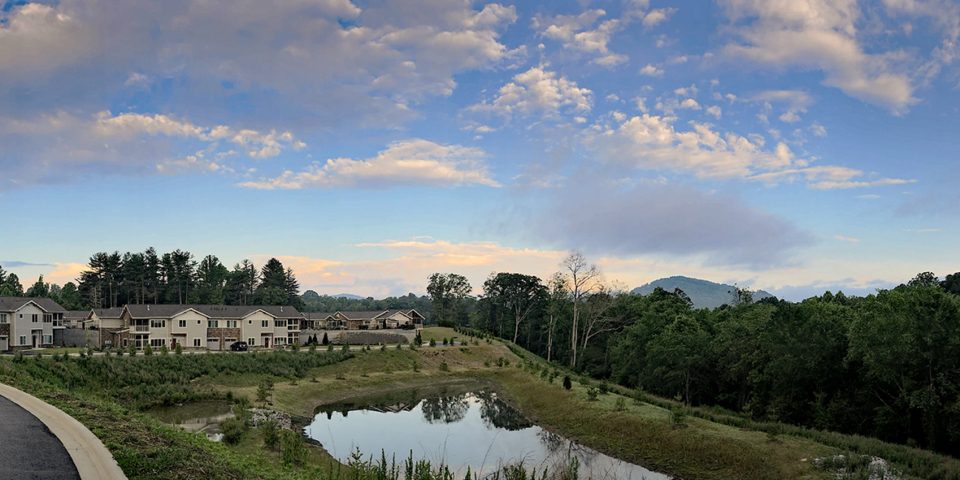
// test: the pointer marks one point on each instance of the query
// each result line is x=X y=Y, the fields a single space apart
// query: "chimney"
x=281 y=308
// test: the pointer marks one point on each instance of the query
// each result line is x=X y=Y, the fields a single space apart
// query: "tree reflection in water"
x=499 y=413
x=445 y=408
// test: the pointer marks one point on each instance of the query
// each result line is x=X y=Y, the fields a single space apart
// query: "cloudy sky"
x=789 y=145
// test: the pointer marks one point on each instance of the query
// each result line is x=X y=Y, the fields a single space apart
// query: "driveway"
x=29 y=449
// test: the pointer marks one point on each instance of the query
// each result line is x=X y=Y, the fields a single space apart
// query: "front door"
x=266 y=342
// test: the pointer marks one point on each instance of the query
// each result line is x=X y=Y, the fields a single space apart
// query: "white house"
x=28 y=322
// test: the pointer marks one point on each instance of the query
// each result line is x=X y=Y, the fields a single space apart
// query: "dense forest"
x=886 y=365
x=114 y=279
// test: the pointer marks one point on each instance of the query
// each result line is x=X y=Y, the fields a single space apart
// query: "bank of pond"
x=463 y=428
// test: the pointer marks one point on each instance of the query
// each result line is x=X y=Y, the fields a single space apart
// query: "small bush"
x=433 y=343
x=271 y=433
x=345 y=348
x=329 y=345
x=89 y=352
x=178 y=349
x=148 y=350
x=567 y=385
x=444 y=367
x=678 y=418
x=620 y=405
x=293 y=449
x=132 y=351
x=164 y=350
x=593 y=393
x=416 y=366
x=233 y=430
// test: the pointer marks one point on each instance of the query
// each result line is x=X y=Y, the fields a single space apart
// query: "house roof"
x=369 y=315
x=211 y=311
x=9 y=304
x=318 y=315
x=114 y=312
x=76 y=315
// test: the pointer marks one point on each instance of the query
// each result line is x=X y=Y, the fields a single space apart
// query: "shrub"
x=444 y=367
x=313 y=347
x=566 y=382
x=164 y=350
x=433 y=343
x=326 y=341
x=620 y=405
x=416 y=366
x=233 y=430
x=293 y=450
x=132 y=350
x=346 y=348
x=89 y=352
x=383 y=347
x=677 y=418
x=604 y=388
x=178 y=349
x=593 y=393
x=399 y=346
x=329 y=345
x=445 y=341
x=148 y=350
x=271 y=433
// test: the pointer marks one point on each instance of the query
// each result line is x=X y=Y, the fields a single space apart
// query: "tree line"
x=177 y=277
x=885 y=365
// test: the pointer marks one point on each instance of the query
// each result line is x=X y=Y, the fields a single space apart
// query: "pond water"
x=475 y=429
x=196 y=417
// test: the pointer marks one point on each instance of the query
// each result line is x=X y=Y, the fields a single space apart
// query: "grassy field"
x=656 y=433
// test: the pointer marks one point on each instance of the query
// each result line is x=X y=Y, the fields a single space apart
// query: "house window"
x=279 y=323
x=47 y=318
x=211 y=324
x=3 y=318
x=231 y=324
x=158 y=342
x=280 y=340
x=47 y=339
x=196 y=342
x=182 y=324
x=265 y=324
x=158 y=323
x=23 y=339
x=251 y=341
x=34 y=319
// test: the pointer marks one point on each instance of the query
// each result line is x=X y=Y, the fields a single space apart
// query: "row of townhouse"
x=370 y=320
x=41 y=322
x=28 y=322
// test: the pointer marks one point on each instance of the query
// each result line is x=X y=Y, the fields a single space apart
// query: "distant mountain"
x=703 y=293
x=348 y=295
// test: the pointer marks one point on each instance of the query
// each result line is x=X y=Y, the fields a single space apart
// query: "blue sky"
x=793 y=146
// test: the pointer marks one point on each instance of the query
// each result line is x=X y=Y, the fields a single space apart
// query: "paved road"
x=28 y=448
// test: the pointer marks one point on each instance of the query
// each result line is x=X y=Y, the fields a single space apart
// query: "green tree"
x=211 y=281
x=517 y=294
x=447 y=290
x=11 y=286
x=39 y=289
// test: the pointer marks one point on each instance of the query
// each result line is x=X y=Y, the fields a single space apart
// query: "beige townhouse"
x=28 y=322
x=213 y=327
x=369 y=320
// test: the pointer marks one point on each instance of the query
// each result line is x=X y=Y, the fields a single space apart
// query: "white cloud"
x=818 y=35
x=653 y=142
x=64 y=146
x=847 y=239
x=714 y=111
x=582 y=33
x=538 y=92
x=657 y=16
x=689 y=104
x=818 y=129
x=324 y=62
x=651 y=70
x=408 y=162
x=794 y=102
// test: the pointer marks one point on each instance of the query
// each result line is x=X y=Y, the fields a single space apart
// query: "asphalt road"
x=28 y=449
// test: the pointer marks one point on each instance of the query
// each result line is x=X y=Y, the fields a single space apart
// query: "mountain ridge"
x=703 y=293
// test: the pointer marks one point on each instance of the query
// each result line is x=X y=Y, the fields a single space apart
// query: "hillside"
x=703 y=293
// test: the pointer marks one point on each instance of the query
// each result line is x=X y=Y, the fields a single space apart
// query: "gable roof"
x=368 y=315
x=77 y=314
x=211 y=311
x=114 y=312
x=9 y=304
x=318 y=315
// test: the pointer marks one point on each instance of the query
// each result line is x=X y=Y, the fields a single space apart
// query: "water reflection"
x=198 y=417
x=475 y=429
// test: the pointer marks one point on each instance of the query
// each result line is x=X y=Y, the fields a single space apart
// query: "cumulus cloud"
x=653 y=142
x=817 y=35
x=538 y=92
x=792 y=102
x=404 y=163
x=62 y=145
x=307 y=62
x=651 y=70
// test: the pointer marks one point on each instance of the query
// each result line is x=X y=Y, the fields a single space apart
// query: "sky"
x=794 y=146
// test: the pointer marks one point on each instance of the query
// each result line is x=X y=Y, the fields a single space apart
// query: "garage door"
x=4 y=344
x=213 y=344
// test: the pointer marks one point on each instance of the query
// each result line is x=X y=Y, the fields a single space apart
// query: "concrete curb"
x=89 y=455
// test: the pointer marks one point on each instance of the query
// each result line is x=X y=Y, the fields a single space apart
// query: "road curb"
x=89 y=455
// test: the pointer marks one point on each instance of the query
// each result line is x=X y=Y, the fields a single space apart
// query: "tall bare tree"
x=582 y=278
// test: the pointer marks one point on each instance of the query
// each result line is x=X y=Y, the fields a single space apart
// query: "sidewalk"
x=90 y=457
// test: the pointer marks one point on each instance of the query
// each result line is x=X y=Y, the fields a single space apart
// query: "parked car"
x=238 y=347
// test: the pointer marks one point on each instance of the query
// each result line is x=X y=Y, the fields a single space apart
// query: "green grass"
x=706 y=443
